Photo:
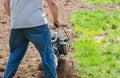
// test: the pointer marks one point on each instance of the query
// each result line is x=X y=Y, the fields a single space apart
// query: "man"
x=28 y=23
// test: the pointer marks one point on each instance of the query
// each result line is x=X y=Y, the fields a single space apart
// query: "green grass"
x=102 y=2
x=96 y=21
x=97 y=59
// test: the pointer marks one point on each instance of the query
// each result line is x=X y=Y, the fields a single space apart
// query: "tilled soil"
x=28 y=66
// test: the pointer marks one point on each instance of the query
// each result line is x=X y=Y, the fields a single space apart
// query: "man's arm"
x=6 y=4
x=54 y=11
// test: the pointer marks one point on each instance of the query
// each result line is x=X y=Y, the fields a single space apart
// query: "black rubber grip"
x=56 y=25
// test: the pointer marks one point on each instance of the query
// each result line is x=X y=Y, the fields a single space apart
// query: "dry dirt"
x=28 y=66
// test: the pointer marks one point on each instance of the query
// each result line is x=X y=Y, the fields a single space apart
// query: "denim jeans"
x=41 y=38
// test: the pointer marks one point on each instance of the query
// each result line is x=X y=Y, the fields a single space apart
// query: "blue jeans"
x=41 y=38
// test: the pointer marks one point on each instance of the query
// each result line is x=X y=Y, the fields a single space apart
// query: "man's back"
x=26 y=13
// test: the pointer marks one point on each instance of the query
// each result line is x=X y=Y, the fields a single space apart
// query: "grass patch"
x=97 y=59
x=102 y=2
x=96 y=21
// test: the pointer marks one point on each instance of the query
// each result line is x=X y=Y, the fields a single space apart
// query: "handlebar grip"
x=56 y=25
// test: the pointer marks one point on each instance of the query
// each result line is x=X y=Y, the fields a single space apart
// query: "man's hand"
x=54 y=10
x=57 y=23
x=6 y=4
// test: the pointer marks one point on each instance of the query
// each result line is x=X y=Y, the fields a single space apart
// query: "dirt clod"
x=1 y=56
x=2 y=69
x=39 y=67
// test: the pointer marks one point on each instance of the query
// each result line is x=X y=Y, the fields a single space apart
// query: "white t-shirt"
x=27 y=13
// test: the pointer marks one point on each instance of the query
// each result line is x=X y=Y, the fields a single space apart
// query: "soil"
x=28 y=66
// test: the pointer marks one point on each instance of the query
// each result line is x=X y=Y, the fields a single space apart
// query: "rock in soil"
x=2 y=69
x=1 y=56
x=39 y=67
